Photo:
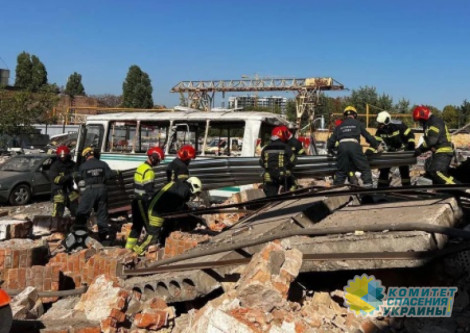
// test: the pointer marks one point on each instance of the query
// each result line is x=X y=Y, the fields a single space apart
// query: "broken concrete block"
x=14 y=228
x=27 y=304
x=265 y=281
x=103 y=295
x=46 y=224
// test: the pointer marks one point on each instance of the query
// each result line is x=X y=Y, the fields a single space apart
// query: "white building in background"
x=269 y=102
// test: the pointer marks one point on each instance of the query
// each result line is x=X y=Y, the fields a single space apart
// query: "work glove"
x=370 y=151
x=330 y=153
x=380 y=148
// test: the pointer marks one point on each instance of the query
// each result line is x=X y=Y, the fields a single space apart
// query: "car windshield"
x=21 y=163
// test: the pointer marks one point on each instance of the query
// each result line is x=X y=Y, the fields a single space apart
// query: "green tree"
x=31 y=73
x=291 y=110
x=137 y=89
x=464 y=113
x=38 y=74
x=450 y=115
x=74 y=86
x=20 y=109
x=24 y=69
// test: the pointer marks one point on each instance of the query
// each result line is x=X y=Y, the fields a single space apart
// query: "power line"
x=4 y=63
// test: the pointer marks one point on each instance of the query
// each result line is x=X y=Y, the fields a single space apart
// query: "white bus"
x=123 y=138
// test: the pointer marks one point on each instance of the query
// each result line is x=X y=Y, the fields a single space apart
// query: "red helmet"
x=186 y=152
x=338 y=122
x=286 y=132
x=62 y=151
x=421 y=113
x=157 y=151
x=278 y=134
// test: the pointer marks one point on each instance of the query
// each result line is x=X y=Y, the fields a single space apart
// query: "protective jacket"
x=177 y=170
x=172 y=197
x=94 y=171
x=277 y=159
x=436 y=137
x=144 y=178
x=396 y=136
x=296 y=146
x=61 y=175
x=350 y=130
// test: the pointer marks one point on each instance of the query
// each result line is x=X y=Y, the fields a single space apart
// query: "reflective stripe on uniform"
x=444 y=150
x=73 y=195
x=59 y=198
x=140 y=249
x=57 y=179
x=407 y=131
x=157 y=221
x=433 y=128
x=130 y=243
x=183 y=176
x=448 y=180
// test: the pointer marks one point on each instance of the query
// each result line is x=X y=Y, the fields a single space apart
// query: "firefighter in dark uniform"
x=144 y=189
x=61 y=174
x=93 y=175
x=277 y=160
x=296 y=146
x=170 y=198
x=397 y=137
x=178 y=168
x=350 y=155
x=436 y=139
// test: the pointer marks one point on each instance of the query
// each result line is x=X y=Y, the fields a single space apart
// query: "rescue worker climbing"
x=92 y=175
x=350 y=156
x=171 y=197
x=397 y=137
x=436 y=139
x=6 y=317
x=144 y=189
x=178 y=168
x=61 y=174
x=277 y=160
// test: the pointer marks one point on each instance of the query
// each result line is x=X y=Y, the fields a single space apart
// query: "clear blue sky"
x=417 y=50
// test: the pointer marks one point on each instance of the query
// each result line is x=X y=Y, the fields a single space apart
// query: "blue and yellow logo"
x=364 y=295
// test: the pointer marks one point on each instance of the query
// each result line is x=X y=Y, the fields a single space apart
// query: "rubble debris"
x=15 y=228
x=179 y=242
x=27 y=304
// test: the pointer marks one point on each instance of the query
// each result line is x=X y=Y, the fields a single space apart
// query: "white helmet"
x=384 y=118
x=195 y=185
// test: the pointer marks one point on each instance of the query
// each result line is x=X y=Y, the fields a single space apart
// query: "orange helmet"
x=278 y=134
x=421 y=113
x=62 y=151
x=4 y=298
x=186 y=152
x=156 y=151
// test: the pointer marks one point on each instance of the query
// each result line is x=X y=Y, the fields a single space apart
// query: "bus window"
x=94 y=136
x=186 y=134
x=152 y=135
x=224 y=138
x=121 y=137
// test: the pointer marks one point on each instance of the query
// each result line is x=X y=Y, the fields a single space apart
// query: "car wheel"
x=20 y=195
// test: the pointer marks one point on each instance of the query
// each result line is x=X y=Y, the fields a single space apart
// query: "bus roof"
x=192 y=115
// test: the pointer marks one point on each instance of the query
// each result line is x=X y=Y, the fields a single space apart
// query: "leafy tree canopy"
x=74 y=86
x=31 y=73
x=137 y=89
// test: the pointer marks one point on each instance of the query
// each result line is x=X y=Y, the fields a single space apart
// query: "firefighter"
x=6 y=317
x=352 y=179
x=436 y=139
x=178 y=168
x=144 y=189
x=93 y=175
x=277 y=160
x=296 y=146
x=61 y=174
x=397 y=137
x=170 y=198
x=350 y=156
